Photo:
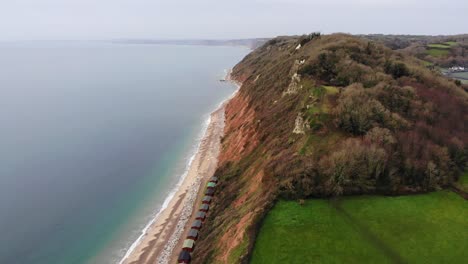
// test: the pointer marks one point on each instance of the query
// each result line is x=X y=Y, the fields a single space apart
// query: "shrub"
x=307 y=38
x=354 y=164
x=325 y=67
x=357 y=112
x=394 y=98
x=380 y=136
x=272 y=42
x=397 y=69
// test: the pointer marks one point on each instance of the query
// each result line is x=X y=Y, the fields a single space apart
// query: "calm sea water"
x=93 y=137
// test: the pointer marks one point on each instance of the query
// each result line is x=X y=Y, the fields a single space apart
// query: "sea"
x=94 y=138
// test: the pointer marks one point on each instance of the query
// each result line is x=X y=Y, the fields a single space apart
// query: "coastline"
x=161 y=238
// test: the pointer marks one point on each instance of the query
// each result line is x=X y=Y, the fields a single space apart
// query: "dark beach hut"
x=204 y=208
x=214 y=179
x=211 y=185
x=200 y=216
x=193 y=234
x=189 y=245
x=207 y=199
x=184 y=257
x=209 y=192
x=196 y=224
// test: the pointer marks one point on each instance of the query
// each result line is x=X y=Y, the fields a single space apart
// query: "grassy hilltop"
x=327 y=116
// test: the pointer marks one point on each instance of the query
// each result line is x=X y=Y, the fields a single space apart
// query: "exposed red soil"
x=254 y=186
x=231 y=239
x=240 y=136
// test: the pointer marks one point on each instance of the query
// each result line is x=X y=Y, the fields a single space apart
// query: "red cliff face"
x=240 y=137
x=244 y=193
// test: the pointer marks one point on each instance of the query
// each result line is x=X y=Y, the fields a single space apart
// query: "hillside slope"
x=321 y=116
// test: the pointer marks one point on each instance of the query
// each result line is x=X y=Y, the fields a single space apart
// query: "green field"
x=430 y=228
x=428 y=63
x=439 y=46
x=436 y=52
x=451 y=43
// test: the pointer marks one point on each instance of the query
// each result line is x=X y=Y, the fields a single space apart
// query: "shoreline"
x=164 y=233
x=171 y=194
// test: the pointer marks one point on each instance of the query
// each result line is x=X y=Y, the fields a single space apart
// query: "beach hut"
x=211 y=185
x=184 y=257
x=197 y=224
x=189 y=245
x=193 y=234
x=207 y=199
x=214 y=179
x=200 y=216
x=209 y=192
x=204 y=208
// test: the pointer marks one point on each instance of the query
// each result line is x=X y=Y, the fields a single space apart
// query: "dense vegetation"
x=399 y=126
x=427 y=228
x=321 y=116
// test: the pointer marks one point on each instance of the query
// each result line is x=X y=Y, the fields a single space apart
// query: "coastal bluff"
x=371 y=121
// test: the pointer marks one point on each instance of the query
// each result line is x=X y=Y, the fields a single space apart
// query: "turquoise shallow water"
x=93 y=138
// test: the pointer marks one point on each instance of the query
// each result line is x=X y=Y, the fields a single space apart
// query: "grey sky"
x=101 y=19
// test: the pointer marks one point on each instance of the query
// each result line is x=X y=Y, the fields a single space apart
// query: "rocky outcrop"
x=294 y=85
x=299 y=127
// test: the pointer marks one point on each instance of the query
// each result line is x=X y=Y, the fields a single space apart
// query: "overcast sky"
x=176 y=19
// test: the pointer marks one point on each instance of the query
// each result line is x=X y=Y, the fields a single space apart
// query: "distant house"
x=193 y=234
x=209 y=192
x=211 y=185
x=457 y=69
x=197 y=224
x=200 y=216
x=204 y=208
x=214 y=179
x=207 y=199
x=189 y=245
x=184 y=257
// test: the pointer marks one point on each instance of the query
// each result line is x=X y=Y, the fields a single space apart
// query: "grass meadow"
x=428 y=228
x=439 y=46
x=437 y=52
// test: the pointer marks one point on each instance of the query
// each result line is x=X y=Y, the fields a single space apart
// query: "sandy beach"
x=162 y=240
